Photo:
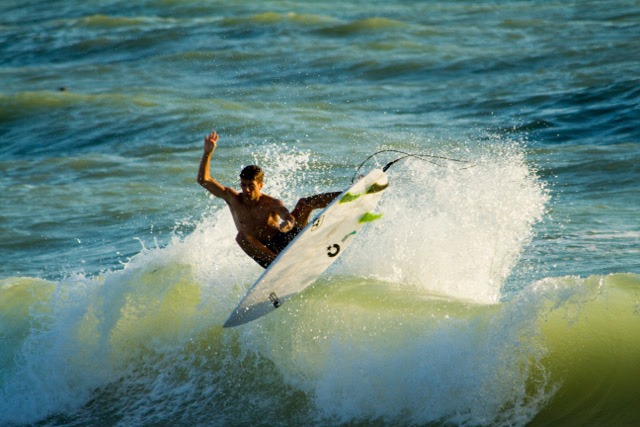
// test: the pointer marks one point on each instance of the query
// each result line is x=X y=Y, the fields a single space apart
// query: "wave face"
x=146 y=346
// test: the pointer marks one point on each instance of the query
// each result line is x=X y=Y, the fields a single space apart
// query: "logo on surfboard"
x=317 y=223
x=333 y=250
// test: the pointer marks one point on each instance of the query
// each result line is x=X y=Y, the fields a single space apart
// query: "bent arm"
x=287 y=221
x=204 y=172
x=255 y=249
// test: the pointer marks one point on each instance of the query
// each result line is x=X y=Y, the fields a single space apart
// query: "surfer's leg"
x=262 y=255
x=306 y=205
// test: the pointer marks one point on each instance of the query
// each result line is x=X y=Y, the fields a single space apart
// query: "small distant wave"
x=25 y=101
x=206 y=57
x=364 y=25
x=278 y=18
x=106 y=21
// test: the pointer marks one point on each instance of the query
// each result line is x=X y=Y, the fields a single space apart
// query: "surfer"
x=265 y=226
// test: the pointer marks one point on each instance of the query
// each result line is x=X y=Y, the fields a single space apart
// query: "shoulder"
x=218 y=190
x=271 y=202
x=230 y=195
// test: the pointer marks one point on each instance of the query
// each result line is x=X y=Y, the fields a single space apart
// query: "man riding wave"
x=265 y=226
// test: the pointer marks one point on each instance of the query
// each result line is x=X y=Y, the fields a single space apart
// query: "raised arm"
x=204 y=174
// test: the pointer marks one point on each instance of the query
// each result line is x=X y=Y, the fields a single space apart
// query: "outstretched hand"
x=210 y=142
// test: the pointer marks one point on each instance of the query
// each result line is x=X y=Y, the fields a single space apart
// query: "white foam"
x=454 y=232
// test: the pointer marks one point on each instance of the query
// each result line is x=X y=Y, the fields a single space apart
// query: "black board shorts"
x=280 y=241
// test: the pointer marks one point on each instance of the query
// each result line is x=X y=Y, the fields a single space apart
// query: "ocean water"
x=505 y=293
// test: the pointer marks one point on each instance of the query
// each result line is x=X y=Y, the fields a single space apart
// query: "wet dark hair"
x=252 y=173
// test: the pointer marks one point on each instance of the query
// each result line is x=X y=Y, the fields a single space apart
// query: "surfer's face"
x=250 y=189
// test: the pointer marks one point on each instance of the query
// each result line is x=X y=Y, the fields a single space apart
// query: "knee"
x=303 y=203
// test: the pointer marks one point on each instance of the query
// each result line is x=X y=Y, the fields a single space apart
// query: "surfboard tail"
x=247 y=314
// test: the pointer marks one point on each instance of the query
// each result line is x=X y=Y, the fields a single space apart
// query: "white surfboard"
x=319 y=244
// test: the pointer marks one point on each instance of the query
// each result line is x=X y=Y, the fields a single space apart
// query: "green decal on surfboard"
x=376 y=188
x=348 y=235
x=349 y=197
x=368 y=217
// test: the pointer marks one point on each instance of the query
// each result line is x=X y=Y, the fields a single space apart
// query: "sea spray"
x=453 y=230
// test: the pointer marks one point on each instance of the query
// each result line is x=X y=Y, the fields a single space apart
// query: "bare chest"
x=259 y=220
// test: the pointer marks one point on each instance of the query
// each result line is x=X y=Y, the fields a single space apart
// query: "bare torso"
x=257 y=218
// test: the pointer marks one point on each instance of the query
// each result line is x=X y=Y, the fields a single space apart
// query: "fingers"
x=212 y=137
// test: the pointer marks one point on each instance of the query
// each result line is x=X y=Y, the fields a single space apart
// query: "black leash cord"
x=424 y=157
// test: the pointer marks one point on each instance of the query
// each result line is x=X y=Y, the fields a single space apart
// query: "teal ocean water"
x=507 y=293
